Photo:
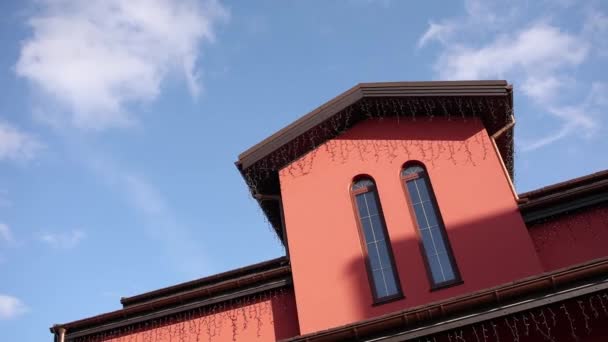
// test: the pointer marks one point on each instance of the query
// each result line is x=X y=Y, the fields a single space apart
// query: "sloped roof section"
x=491 y=101
x=184 y=297
x=565 y=197
x=204 y=283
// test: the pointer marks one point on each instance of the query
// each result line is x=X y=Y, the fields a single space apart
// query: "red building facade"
x=396 y=206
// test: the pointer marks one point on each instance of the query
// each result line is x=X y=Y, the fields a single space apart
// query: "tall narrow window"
x=435 y=245
x=381 y=270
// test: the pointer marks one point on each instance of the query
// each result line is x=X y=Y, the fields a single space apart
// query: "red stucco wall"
x=265 y=320
x=572 y=239
x=489 y=239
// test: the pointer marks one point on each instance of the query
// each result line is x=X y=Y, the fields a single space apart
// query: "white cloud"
x=490 y=42
x=490 y=13
x=11 y=307
x=596 y=30
x=538 y=49
x=439 y=32
x=17 y=145
x=97 y=57
x=62 y=240
x=5 y=233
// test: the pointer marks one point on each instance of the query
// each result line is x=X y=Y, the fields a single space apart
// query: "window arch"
x=434 y=243
x=379 y=260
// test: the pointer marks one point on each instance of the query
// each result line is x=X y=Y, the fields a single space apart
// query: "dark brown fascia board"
x=182 y=301
x=528 y=288
x=203 y=282
x=361 y=90
x=303 y=124
x=564 y=197
x=564 y=186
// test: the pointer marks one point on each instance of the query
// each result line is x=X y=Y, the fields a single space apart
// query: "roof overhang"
x=490 y=101
x=564 y=198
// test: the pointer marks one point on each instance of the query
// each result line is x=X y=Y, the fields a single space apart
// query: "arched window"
x=437 y=253
x=380 y=264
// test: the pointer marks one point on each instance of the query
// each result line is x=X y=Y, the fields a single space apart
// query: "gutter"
x=59 y=333
x=498 y=134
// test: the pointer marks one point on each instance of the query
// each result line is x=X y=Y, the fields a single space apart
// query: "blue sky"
x=120 y=123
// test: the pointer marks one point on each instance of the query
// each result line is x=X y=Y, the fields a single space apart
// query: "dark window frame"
x=448 y=246
x=374 y=189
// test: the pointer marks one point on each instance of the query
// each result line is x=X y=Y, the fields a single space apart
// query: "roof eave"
x=369 y=90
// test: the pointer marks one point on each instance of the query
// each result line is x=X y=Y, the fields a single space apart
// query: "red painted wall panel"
x=572 y=239
x=490 y=241
x=264 y=320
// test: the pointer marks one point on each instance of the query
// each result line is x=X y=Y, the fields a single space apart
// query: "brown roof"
x=491 y=101
x=204 y=282
x=564 y=197
x=186 y=296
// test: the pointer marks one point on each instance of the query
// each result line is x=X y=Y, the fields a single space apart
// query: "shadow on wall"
x=572 y=238
x=285 y=316
x=487 y=253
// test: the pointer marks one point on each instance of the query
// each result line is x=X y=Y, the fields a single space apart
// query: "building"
x=396 y=206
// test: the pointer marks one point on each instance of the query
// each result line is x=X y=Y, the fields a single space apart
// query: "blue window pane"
x=381 y=270
x=420 y=216
x=422 y=189
x=391 y=284
x=377 y=227
x=439 y=243
x=411 y=188
x=379 y=283
x=431 y=215
x=434 y=244
x=361 y=206
x=366 y=224
x=427 y=242
x=372 y=206
x=435 y=268
x=448 y=272
x=384 y=256
x=372 y=254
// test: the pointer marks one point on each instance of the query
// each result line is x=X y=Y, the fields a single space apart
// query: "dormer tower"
x=394 y=195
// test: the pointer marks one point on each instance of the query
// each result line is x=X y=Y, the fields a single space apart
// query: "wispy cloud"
x=94 y=58
x=5 y=233
x=490 y=41
x=17 y=145
x=439 y=32
x=62 y=240
x=159 y=220
x=540 y=49
x=596 y=30
x=11 y=307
